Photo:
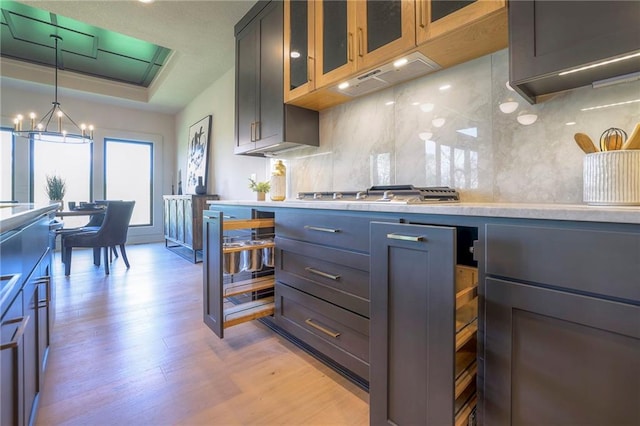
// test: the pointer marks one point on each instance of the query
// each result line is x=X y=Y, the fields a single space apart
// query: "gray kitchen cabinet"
x=322 y=284
x=562 y=331
x=183 y=222
x=25 y=319
x=231 y=296
x=422 y=339
x=263 y=123
x=548 y=37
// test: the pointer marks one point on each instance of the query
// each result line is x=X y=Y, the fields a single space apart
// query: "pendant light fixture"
x=55 y=125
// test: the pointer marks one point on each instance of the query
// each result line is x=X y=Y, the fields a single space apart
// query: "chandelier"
x=55 y=125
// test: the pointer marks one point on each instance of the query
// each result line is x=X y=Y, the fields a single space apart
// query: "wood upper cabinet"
x=299 y=49
x=437 y=17
x=355 y=35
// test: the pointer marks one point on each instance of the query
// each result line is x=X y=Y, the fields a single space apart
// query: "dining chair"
x=112 y=232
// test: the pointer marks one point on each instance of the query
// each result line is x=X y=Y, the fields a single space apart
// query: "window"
x=6 y=165
x=129 y=176
x=72 y=162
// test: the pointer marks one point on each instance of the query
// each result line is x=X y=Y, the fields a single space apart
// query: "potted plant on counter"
x=56 y=187
x=260 y=188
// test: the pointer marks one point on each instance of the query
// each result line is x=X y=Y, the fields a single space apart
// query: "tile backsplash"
x=449 y=129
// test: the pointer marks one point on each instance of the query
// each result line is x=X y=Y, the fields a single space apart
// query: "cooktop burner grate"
x=406 y=194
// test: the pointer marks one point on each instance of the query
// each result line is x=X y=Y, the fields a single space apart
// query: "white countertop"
x=14 y=215
x=573 y=212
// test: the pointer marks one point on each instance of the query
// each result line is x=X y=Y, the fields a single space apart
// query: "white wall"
x=110 y=121
x=228 y=174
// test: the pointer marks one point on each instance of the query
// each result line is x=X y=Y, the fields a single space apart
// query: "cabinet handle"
x=325 y=330
x=360 y=42
x=19 y=332
x=253 y=131
x=421 y=13
x=43 y=303
x=317 y=228
x=322 y=274
x=406 y=237
x=309 y=68
x=258 y=130
x=350 y=47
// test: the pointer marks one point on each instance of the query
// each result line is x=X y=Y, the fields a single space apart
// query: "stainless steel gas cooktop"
x=401 y=194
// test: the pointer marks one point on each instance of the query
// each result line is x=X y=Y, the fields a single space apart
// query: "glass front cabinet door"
x=299 y=50
x=437 y=17
x=355 y=35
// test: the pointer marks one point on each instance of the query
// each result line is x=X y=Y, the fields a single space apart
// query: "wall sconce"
x=527 y=118
x=509 y=106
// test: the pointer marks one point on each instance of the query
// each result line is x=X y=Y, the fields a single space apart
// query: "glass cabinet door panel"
x=298 y=43
x=335 y=35
x=384 y=23
x=442 y=8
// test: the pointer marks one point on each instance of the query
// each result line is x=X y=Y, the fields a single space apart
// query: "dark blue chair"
x=112 y=232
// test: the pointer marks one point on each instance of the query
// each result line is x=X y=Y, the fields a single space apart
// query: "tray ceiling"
x=26 y=35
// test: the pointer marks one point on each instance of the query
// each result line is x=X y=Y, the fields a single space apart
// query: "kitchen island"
x=26 y=299
x=376 y=288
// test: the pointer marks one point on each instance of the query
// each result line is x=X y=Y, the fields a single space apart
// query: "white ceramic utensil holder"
x=612 y=178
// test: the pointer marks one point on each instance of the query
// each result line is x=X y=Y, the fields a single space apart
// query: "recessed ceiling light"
x=425 y=136
x=509 y=106
x=570 y=123
x=438 y=121
x=400 y=62
x=146 y=1
x=389 y=103
x=343 y=86
x=415 y=103
x=427 y=107
x=445 y=87
x=527 y=118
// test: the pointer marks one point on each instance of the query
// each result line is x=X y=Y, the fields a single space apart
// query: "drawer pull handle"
x=322 y=274
x=325 y=330
x=19 y=332
x=406 y=237
x=318 y=228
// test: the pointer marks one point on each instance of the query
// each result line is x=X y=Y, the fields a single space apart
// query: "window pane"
x=72 y=162
x=6 y=165
x=129 y=176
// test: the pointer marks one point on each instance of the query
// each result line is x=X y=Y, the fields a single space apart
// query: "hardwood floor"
x=131 y=348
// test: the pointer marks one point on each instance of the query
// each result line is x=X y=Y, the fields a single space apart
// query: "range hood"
x=409 y=67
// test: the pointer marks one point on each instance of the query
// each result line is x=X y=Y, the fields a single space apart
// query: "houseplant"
x=260 y=188
x=56 y=187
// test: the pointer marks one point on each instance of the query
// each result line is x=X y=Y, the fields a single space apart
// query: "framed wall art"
x=198 y=155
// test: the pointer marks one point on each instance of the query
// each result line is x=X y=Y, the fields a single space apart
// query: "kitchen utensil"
x=585 y=143
x=251 y=260
x=268 y=256
x=612 y=139
x=634 y=140
x=231 y=260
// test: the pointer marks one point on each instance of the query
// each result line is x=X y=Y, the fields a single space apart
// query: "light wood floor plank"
x=131 y=348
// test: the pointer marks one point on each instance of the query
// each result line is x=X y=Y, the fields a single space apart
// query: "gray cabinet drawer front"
x=350 y=232
x=323 y=272
x=599 y=262
x=317 y=322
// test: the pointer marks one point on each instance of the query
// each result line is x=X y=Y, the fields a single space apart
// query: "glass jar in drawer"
x=335 y=229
